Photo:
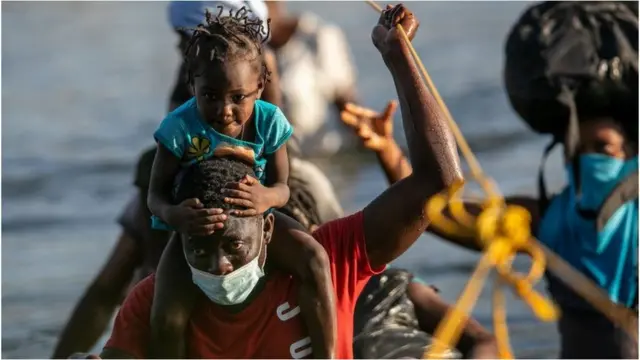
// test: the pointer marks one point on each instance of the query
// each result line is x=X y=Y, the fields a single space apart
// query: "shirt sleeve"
x=335 y=59
x=277 y=132
x=129 y=219
x=343 y=240
x=131 y=330
x=143 y=169
x=172 y=135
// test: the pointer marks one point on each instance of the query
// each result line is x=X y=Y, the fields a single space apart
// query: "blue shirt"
x=191 y=140
x=609 y=258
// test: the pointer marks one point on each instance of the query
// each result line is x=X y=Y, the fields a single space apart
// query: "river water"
x=86 y=83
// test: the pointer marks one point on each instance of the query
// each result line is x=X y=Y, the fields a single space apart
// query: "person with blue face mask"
x=606 y=252
x=572 y=226
x=593 y=222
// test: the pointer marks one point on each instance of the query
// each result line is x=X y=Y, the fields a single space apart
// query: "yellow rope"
x=504 y=230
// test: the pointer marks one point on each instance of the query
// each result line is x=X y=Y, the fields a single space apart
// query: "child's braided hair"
x=227 y=37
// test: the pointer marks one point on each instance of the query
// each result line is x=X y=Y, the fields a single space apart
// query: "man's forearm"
x=432 y=147
x=430 y=310
x=477 y=342
x=395 y=220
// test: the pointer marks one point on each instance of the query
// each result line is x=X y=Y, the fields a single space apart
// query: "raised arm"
x=375 y=130
x=395 y=220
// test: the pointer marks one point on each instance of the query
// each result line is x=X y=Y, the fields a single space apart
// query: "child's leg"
x=173 y=301
x=319 y=318
x=306 y=259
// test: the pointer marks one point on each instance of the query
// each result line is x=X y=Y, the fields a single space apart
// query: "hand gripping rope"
x=504 y=230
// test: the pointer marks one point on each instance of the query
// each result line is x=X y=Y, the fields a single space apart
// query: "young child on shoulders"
x=227 y=72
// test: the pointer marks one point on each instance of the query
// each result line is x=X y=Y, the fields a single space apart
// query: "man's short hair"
x=206 y=179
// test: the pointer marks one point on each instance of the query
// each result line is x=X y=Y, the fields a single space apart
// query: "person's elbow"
x=423 y=185
x=433 y=181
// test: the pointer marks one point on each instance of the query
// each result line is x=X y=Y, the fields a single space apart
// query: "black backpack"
x=565 y=60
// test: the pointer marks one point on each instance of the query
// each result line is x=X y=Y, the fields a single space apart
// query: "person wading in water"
x=593 y=222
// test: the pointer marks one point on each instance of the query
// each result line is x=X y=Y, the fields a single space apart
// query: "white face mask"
x=233 y=288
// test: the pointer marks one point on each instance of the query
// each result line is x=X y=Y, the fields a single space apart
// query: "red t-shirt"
x=271 y=325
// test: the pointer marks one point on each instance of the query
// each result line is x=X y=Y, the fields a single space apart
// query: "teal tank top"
x=189 y=138
x=608 y=257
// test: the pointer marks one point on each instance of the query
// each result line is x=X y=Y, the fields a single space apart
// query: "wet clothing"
x=385 y=323
x=609 y=258
x=270 y=326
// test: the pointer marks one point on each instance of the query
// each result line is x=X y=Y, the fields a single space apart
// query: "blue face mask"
x=599 y=175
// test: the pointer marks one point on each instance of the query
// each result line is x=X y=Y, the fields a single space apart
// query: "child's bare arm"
x=173 y=300
x=189 y=216
x=303 y=257
x=278 y=177
x=258 y=198
x=319 y=320
x=165 y=167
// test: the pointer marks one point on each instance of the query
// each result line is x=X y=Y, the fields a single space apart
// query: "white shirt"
x=315 y=68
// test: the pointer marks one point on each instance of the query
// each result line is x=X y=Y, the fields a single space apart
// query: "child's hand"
x=374 y=129
x=192 y=218
x=248 y=193
x=385 y=36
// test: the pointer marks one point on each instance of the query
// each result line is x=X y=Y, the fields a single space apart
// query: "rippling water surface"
x=86 y=83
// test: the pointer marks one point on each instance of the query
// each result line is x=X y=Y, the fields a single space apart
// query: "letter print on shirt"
x=301 y=348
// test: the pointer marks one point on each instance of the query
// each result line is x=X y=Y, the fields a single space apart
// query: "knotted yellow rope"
x=504 y=230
